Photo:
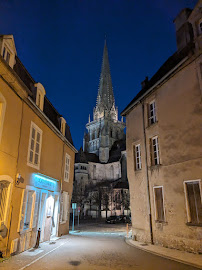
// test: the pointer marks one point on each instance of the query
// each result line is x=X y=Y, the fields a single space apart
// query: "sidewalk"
x=172 y=254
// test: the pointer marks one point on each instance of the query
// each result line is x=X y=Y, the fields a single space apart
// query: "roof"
x=49 y=110
x=84 y=157
x=170 y=63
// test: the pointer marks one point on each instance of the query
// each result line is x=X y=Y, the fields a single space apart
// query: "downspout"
x=147 y=176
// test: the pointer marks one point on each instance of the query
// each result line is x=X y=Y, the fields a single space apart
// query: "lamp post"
x=73 y=208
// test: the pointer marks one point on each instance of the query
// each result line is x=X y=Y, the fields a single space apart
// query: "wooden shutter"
x=194 y=200
x=159 y=204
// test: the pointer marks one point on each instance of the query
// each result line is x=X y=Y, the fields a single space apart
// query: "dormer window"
x=40 y=93
x=7 y=49
x=63 y=126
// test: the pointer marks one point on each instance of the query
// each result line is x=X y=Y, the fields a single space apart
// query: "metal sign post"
x=73 y=208
x=78 y=215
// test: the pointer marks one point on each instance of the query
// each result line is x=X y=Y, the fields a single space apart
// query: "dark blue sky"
x=61 y=44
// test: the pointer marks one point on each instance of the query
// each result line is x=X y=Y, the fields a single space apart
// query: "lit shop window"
x=67 y=168
x=159 y=204
x=152 y=113
x=193 y=202
x=137 y=157
x=27 y=209
x=34 y=150
x=64 y=207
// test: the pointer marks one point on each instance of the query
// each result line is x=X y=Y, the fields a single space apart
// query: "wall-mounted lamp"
x=19 y=179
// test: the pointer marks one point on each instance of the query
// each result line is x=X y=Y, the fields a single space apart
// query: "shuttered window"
x=67 y=168
x=193 y=195
x=35 y=142
x=159 y=204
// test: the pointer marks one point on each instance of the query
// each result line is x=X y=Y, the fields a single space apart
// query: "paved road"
x=91 y=250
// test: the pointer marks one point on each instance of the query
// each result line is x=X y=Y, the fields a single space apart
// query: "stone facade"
x=164 y=146
x=101 y=164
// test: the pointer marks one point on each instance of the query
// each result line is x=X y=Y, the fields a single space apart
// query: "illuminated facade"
x=164 y=145
x=100 y=167
x=36 y=158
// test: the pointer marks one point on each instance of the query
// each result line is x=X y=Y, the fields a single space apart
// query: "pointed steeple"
x=105 y=92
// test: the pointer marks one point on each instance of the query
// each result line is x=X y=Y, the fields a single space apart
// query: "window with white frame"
x=6 y=54
x=137 y=157
x=67 y=168
x=193 y=196
x=155 y=159
x=159 y=204
x=4 y=193
x=152 y=112
x=27 y=208
x=34 y=150
x=64 y=207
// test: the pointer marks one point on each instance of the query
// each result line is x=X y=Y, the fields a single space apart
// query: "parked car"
x=118 y=219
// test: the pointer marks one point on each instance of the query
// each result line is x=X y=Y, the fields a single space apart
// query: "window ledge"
x=194 y=224
x=26 y=230
x=153 y=167
x=152 y=125
x=138 y=171
x=161 y=222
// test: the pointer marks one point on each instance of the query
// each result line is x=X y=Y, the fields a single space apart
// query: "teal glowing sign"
x=45 y=182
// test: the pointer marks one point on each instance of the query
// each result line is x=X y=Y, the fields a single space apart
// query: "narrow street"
x=95 y=247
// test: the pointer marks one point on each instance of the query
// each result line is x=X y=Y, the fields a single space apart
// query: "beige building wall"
x=179 y=111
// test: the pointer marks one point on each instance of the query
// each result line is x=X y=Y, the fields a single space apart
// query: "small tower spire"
x=89 y=118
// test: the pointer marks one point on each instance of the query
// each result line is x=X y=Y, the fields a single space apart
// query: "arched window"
x=2 y=112
x=5 y=191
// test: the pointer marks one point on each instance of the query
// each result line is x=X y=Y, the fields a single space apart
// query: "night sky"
x=61 y=45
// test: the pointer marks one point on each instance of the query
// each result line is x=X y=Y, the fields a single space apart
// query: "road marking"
x=41 y=257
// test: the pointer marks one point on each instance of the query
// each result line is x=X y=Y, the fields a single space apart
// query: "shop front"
x=39 y=211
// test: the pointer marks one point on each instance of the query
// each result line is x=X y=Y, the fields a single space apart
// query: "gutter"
x=127 y=110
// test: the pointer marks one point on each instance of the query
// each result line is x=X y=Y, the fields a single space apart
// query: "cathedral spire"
x=105 y=92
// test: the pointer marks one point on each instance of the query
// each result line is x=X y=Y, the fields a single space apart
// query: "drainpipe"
x=147 y=175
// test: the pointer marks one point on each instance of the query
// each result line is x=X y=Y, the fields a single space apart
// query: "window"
x=155 y=160
x=67 y=168
x=8 y=57
x=27 y=206
x=194 y=204
x=38 y=102
x=94 y=171
x=159 y=204
x=4 y=52
x=4 y=185
x=64 y=207
x=152 y=113
x=40 y=94
x=34 y=150
x=137 y=156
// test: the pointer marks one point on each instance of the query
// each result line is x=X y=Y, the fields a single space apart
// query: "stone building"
x=36 y=158
x=102 y=161
x=164 y=145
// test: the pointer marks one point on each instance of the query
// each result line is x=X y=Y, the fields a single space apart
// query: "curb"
x=162 y=255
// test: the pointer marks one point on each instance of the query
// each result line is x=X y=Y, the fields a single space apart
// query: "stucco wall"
x=179 y=111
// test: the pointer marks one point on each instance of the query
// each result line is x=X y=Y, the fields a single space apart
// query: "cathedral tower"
x=105 y=128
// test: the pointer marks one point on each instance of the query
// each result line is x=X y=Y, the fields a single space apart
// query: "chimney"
x=184 y=30
x=145 y=83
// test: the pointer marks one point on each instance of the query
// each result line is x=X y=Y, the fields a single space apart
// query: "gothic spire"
x=105 y=92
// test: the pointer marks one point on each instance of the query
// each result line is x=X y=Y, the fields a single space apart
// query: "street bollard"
x=38 y=238
x=127 y=229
